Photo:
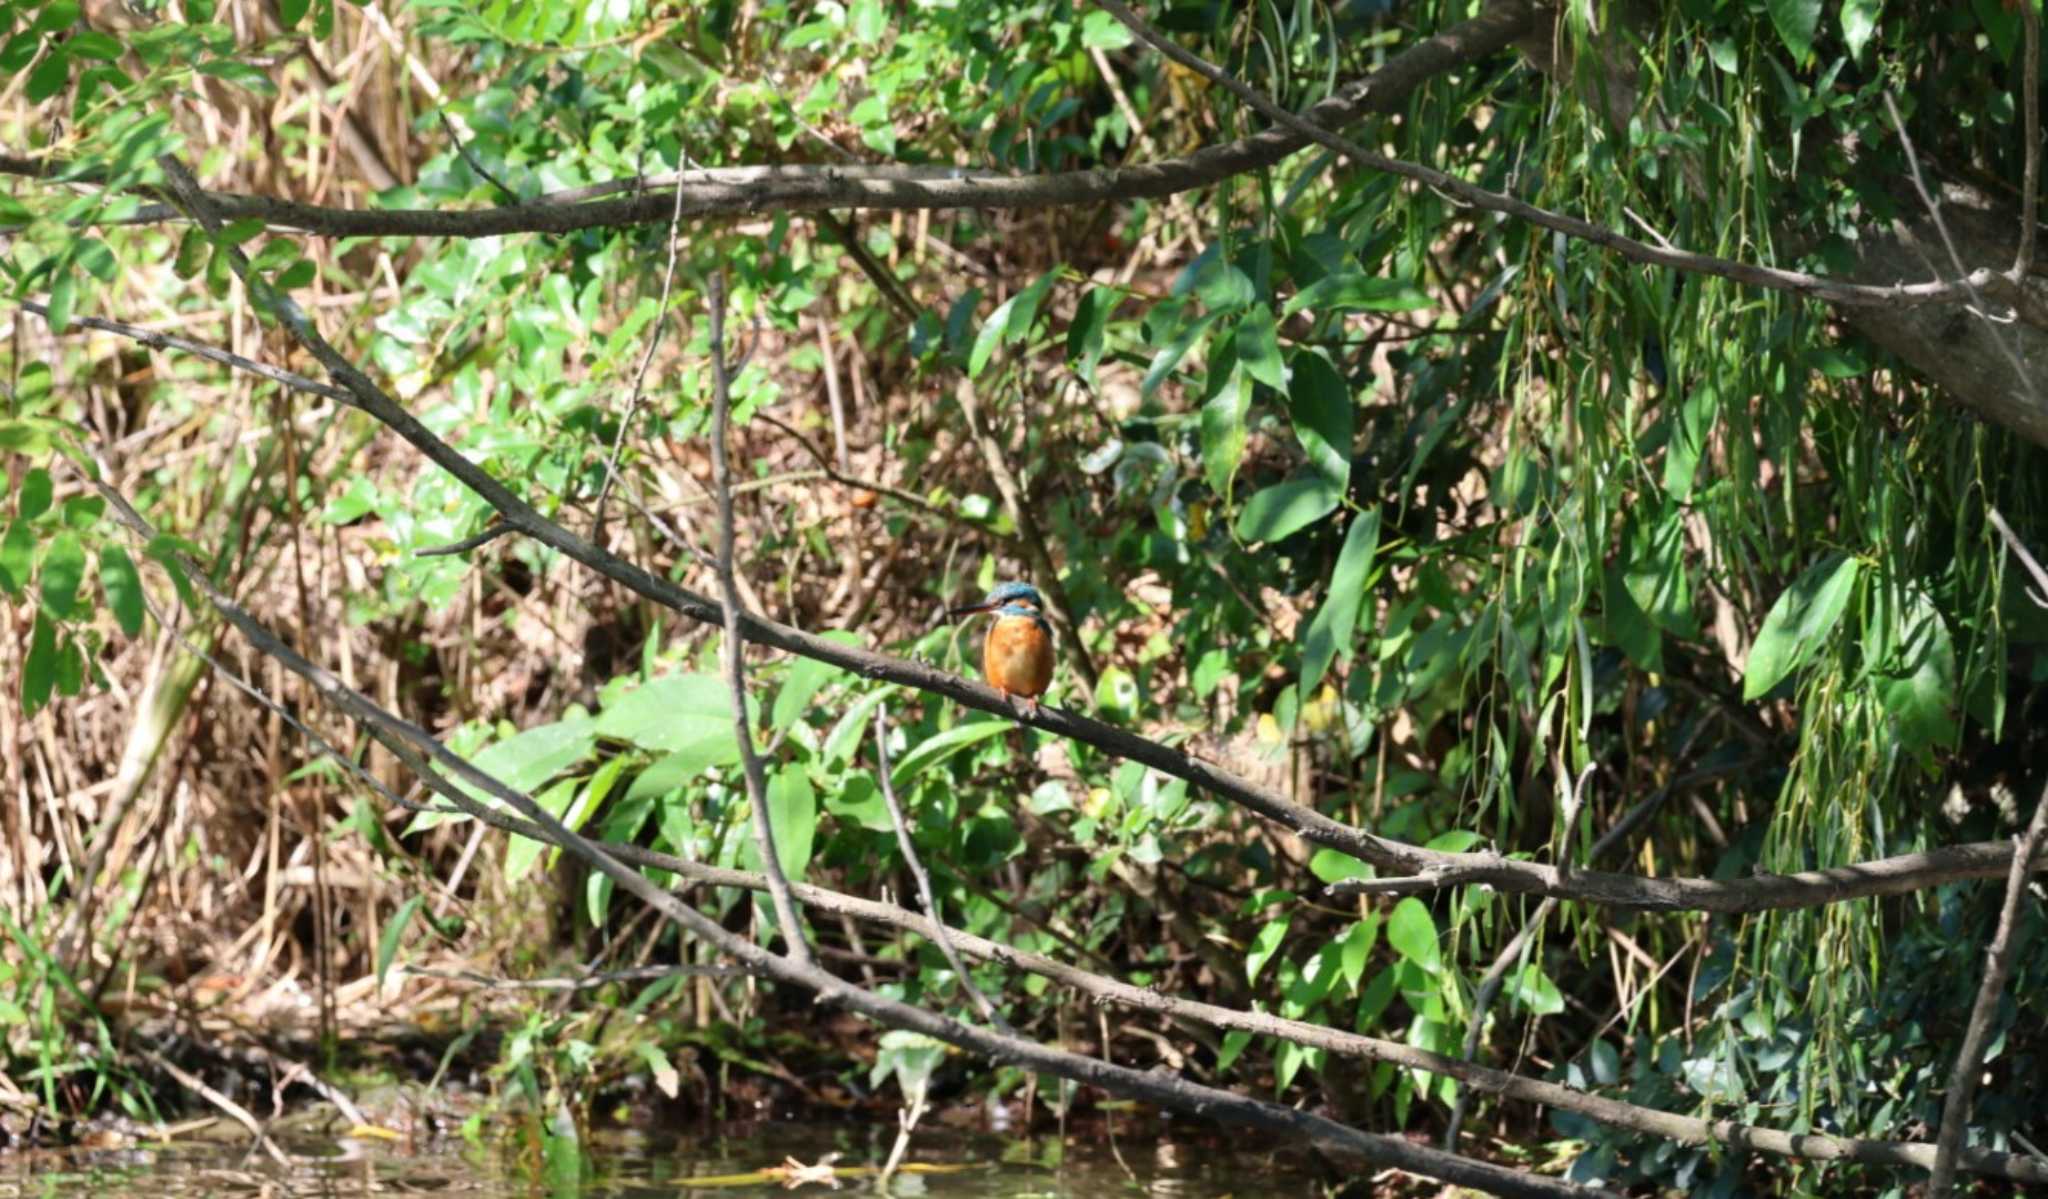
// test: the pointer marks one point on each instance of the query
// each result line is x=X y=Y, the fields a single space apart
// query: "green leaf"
x=522 y=852
x=793 y=809
x=1533 y=990
x=1100 y=31
x=1357 y=950
x=393 y=935
x=1087 y=334
x=1258 y=347
x=123 y=587
x=1330 y=632
x=1693 y=424
x=193 y=249
x=1264 y=946
x=48 y=78
x=1116 y=694
x=63 y=574
x=1332 y=866
x=1799 y=622
x=1654 y=570
x=679 y=713
x=1859 y=22
x=291 y=12
x=1796 y=21
x=523 y=762
x=1286 y=508
x=63 y=298
x=17 y=558
x=33 y=499
x=93 y=44
x=1412 y=933
x=241 y=74
x=867 y=20
x=1320 y=405
x=165 y=549
x=56 y=16
x=934 y=750
x=39 y=669
x=92 y=256
x=1355 y=291
x=1224 y=432
x=845 y=737
x=1916 y=676
x=801 y=683
x=1172 y=352
x=20 y=51
x=1024 y=307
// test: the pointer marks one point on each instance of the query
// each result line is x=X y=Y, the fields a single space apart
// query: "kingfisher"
x=1017 y=657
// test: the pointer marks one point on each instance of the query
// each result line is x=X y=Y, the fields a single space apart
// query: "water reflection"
x=1188 y=1164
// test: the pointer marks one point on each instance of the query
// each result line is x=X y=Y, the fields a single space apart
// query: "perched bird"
x=1017 y=657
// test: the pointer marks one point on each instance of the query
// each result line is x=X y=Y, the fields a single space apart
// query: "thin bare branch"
x=2030 y=194
x=668 y=278
x=1962 y=1081
x=735 y=649
x=940 y=935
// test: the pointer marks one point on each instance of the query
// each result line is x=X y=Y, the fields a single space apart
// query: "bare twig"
x=489 y=533
x=989 y=1014
x=2027 y=559
x=234 y=1111
x=1962 y=1081
x=799 y=950
x=668 y=278
x=475 y=164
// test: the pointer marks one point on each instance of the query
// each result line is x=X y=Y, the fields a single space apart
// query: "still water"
x=1181 y=1163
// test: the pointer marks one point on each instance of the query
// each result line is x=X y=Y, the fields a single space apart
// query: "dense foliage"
x=1440 y=522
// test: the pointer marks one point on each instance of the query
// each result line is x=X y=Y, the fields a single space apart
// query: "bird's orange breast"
x=1018 y=656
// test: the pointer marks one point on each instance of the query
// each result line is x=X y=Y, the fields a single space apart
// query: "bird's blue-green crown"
x=1006 y=594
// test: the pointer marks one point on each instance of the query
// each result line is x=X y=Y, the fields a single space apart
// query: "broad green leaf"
x=1533 y=990
x=802 y=682
x=241 y=74
x=689 y=714
x=1916 y=679
x=1100 y=31
x=33 y=499
x=1690 y=428
x=92 y=44
x=845 y=737
x=934 y=750
x=63 y=574
x=1859 y=22
x=1172 y=352
x=48 y=78
x=63 y=299
x=39 y=669
x=1264 y=946
x=1629 y=628
x=1116 y=694
x=1354 y=291
x=1357 y=950
x=793 y=810
x=123 y=587
x=1799 y=622
x=1332 y=866
x=1320 y=405
x=1329 y=634
x=1655 y=573
x=1224 y=433
x=1412 y=933
x=1087 y=335
x=1286 y=508
x=1796 y=21
x=523 y=762
x=17 y=558
x=1258 y=347
x=522 y=852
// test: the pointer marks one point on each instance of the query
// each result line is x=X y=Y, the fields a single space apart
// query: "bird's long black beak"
x=969 y=610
